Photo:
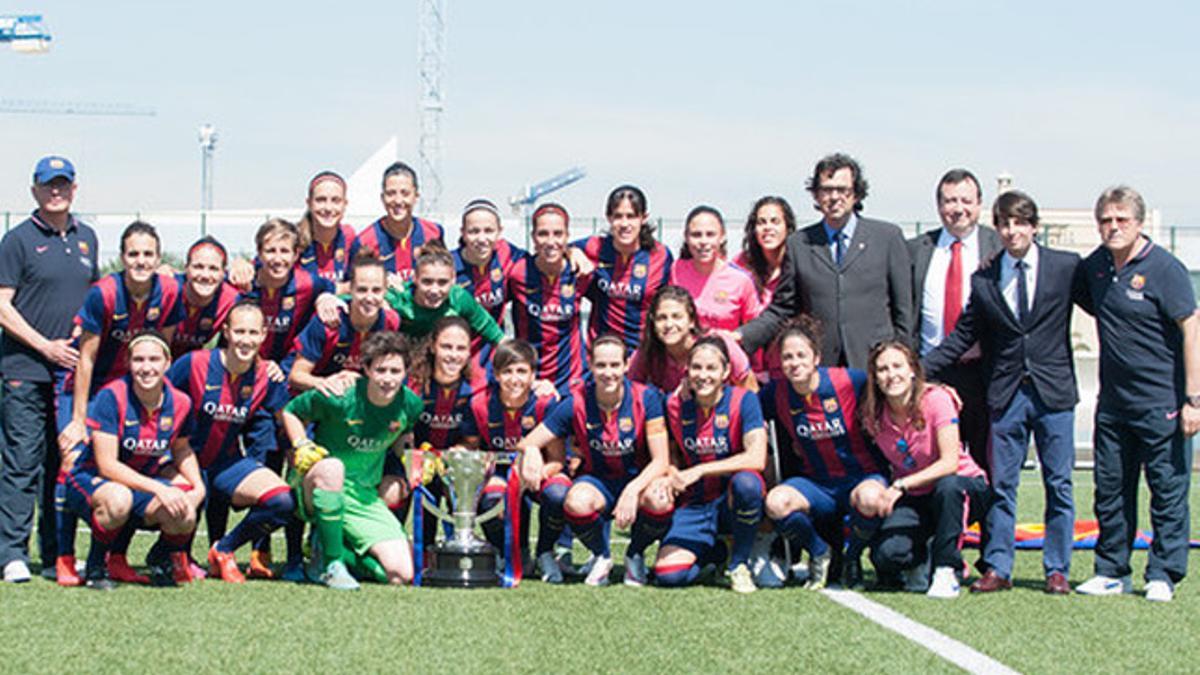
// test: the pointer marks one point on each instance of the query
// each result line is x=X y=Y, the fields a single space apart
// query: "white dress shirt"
x=933 y=296
x=1008 y=278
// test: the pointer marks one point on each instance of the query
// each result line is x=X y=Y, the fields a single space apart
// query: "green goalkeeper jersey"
x=356 y=431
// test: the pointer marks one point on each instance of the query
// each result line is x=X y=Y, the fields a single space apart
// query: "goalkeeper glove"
x=307 y=454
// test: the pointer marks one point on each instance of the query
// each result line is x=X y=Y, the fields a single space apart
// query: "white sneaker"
x=818 y=570
x=741 y=580
x=768 y=573
x=635 y=571
x=548 y=565
x=586 y=568
x=17 y=572
x=337 y=577
x=944 y=585
x=1102 y=585
x=1159 y=591
x=916 y=579
x=601 y=567
x=566 y=562
x=799 y=570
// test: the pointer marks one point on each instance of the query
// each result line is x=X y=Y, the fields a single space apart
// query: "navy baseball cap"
x=49 y=168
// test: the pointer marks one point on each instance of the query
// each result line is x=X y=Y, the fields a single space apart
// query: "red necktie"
x=952 y=307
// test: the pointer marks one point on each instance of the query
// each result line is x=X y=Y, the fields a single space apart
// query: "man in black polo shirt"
x=47 y=264
x=1149 y=405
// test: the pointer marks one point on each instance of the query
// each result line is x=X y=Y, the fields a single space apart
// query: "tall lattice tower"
x=431 y=56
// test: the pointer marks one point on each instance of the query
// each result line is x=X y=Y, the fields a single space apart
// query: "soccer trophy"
x=462 y=560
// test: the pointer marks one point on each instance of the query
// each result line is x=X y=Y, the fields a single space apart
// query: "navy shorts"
x=82 y=484
x=609 y=488
x=695 y=527
x=224 y=477
x=827 y=499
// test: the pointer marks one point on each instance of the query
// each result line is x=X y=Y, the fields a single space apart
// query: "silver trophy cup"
x=463 y=560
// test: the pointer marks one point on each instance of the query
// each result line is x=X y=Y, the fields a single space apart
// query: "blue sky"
x=693 y=101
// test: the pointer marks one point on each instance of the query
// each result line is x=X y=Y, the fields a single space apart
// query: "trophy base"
x=458 y=566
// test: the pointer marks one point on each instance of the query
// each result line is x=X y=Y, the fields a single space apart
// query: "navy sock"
x=493 y=529
x=120 y=545
x=590 y=530
x=798 y=529
x=269 y=514
x=746 y=491
x=647 y=529
x=65 y=522
x=216 y=516
x=551 y=519
x=293 y=533
x=862 y=530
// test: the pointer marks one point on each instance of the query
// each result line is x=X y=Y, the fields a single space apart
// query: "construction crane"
x=24 y=32
x=529 y=195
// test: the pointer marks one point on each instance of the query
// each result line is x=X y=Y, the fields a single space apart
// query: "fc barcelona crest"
x=721 y=421
x=246 y=390
x=1137 y=282
x=626 y=424
x=84 y=248
x=528 y=423
x=164 y=424
x=497 y=274
x=394 y=426
x=339 y=255
x=567 y=289
x=153 y=313
x=206 y=323
x=288 y=303
x=639 y=270
x=830 y=405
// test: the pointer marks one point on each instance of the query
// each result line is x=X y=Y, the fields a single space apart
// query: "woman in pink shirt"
x=673 y=327
x=764 y=246
x=934 y=480
x=725 y=294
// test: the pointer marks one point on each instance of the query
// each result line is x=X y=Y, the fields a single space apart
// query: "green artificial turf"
x=278 y=627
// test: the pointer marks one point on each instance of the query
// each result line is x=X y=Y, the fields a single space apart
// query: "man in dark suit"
x=851 y=273
x=942 y=263
x=1020 y=314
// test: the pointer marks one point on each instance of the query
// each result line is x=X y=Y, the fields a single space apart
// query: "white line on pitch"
x=944 y=646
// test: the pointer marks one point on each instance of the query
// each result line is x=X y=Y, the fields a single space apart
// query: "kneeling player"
x=137 y=470
x=721 y=446
x=824 y=475
x=342 y=466
x=500 y=416
x=233 y=398
x=621 y=439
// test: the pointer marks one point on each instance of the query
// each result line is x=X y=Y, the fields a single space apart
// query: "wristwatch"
x=901 y=486
x=1194 y=400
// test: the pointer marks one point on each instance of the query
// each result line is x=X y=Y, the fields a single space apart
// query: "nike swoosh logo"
x=211 y=387
x=118 y=317
x=354 y=423
x=593 y=426
x=42 y=249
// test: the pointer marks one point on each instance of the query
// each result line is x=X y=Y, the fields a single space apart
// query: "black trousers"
x=974 y=420
x=29 y=470
x=929 y=525
x=1124 y=443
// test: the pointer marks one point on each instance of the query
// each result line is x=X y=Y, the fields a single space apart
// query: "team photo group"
x=773 y=402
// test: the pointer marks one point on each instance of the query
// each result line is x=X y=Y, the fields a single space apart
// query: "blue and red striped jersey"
x=708 y=435
x=330 y=262
x=397 y=254
x=621 y=288
x=111 y=313
x=486 y=282
x=226 y=408
x=821 y=429
x=288 y=310
x=611 y=444
x=498 y=428
x=200 y=324
x=144 y=437
x=334 y=348
x=546 y=315
x=446 y=408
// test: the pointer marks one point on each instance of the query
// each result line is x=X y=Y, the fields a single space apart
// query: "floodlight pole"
x=208 y=143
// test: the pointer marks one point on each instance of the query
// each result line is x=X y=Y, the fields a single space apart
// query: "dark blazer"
x=920 y=250
x=867 y=300
x=1041 y=347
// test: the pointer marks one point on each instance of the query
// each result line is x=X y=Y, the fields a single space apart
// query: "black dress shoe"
x=852 y=574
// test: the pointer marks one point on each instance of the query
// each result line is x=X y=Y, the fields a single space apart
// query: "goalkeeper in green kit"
x=340 y=468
